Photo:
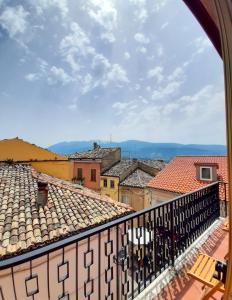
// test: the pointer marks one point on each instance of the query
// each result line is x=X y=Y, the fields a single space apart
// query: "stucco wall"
x=154 y=196
x=20 y=150
x=110 y=159
x=86 y=173
x=59 y=169
x=108 y=191
x=136 y=196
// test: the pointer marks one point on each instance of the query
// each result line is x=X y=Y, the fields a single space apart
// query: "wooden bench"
x=203 y=271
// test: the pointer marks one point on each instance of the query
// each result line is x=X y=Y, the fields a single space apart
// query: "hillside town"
x=47 y=198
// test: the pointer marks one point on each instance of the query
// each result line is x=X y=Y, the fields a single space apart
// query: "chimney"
x=95 y=146
x=42 y=198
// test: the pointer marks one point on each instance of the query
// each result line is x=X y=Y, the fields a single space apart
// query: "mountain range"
x=142 y=149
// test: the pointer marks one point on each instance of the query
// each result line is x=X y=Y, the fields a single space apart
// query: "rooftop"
x=97 y=153
x=138 y=179
x=25 y=151
x=119 y=168
x=180 y=174
x=156 y=164
x=25 y=225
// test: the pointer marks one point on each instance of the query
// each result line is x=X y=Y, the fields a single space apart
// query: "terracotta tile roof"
x=138 y=179
x=97 y=153
x=180 y=174
x=25 y=225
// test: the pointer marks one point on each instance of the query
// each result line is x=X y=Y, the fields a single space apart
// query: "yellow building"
x=127 y=179
x=110 y=179
x=41 y=159
x=110 y=187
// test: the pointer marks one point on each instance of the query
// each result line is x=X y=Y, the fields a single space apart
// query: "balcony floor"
x=186 y=288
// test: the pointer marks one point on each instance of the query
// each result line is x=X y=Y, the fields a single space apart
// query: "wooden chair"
x=203 y=271
x=226 y=224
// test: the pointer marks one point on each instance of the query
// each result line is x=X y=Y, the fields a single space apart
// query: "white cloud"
x=156 y=73
x=87 y=83
x=201 y=43
x=141 y=15
x=164 y=25
x=177 y=74
x=127 y=55
x=58 y=75
x=32 y=77
x=141 y=50
x=124 y=107
x=76 y=46
x=117 y=75
x=76 y=42
x=159 y=4
x=186 y=116
x=160 y=51
x=103 y=13
x=141 y=38
x=171 y=89
x=140 y=11
x=108 y=36
x=43 y=5
x=14 y=20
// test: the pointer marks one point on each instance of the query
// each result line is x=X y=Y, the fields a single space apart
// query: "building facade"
x=41 y=159
x=126 y=181
x=185 y=174
x=89 y=165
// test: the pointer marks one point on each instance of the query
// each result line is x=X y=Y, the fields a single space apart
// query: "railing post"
x=218 y=199
x=172 y=233
x=225 y=199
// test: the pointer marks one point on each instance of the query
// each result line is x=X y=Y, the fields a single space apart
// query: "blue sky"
x=91 y=69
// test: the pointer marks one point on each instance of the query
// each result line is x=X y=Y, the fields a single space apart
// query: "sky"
x=108 y=70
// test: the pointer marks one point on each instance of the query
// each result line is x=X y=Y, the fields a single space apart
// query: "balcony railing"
x=116 y=260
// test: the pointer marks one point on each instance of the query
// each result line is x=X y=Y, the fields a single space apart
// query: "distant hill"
x=141 y=149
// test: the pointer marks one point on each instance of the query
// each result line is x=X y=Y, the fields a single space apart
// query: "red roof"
x=180 y=174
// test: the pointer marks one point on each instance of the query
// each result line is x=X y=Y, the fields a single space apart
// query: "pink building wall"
x=46 y=267
x=86 y=171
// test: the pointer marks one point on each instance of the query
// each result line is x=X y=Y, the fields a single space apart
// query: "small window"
x=112 y=184
x=79 y=173
x=125 y=199
x=105 y=182
x=93 y=175
x=205 y=173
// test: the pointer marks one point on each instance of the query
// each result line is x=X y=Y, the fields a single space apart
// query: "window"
x=105 y=182
x=206 y=173
x=93 y=174
x=112 y=184
x=125 y=199
x=79 y=173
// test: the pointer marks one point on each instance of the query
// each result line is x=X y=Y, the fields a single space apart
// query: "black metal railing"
x=223 y=195
x=116 y=260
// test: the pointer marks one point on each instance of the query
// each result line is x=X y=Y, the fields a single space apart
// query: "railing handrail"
x=43 y=250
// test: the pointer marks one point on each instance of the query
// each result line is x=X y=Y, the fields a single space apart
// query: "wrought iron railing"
x=116 y=260
x=223 y=195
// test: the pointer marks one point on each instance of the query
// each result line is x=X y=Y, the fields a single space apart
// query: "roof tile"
x=180 y=174
x=23 y=224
